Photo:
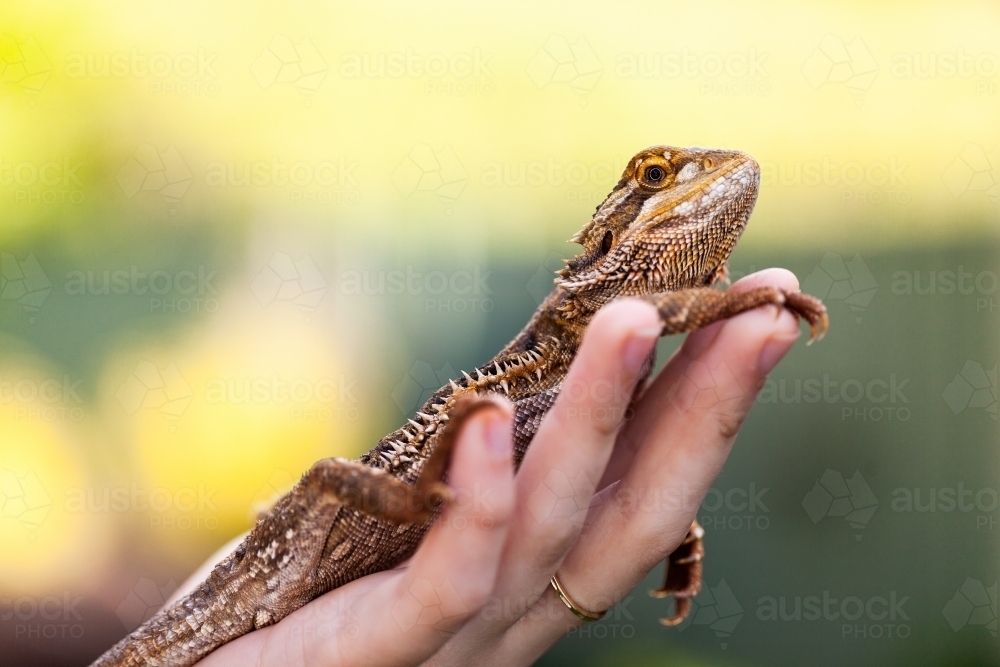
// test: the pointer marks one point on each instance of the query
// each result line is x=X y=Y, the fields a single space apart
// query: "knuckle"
x=475 y=594
x=656 y=537
x=552 y=548
x=729 y=421
x=498 y=516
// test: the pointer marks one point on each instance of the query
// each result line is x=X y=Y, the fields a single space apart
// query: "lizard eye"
x=606 y=242
x=708 y=163
x=655 y=173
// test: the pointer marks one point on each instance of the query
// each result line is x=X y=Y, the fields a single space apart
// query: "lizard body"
x=663 y=234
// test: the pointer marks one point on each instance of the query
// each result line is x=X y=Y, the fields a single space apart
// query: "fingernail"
x=638 y=347
x=773 y=350
x=497 y=435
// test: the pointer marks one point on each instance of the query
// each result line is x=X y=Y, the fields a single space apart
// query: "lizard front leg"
x=686 y=310
x=279 y=566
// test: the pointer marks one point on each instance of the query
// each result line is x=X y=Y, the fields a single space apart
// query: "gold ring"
x=580 y=613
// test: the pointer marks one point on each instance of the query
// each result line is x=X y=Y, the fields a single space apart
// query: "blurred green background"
x=237 y=238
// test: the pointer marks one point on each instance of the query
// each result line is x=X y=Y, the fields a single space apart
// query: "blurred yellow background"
x=237 y=238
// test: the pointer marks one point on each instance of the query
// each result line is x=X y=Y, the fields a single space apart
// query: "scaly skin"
x=663 y=234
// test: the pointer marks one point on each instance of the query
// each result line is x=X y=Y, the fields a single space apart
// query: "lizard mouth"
x=704 y=198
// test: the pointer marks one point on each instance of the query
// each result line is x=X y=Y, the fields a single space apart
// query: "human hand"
x=663 y=460
x=477 y=590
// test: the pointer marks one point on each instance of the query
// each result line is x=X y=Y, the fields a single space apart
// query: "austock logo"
x=685 y=63
x=737 y=73
x=149 y=170
x=457 y=73
x=737 y=509
x=973 y=604
x=833 y=496
x=45 y=399
x=975 y=171
x=983 y=285
x=979 y=68
x=183 y=508
x=459 y=291
x=583 y=181
x=873 y=182
x=415 y=65
x=53 y=181
x=284 y=62
x=542 y=282
x=704 y=388
x=189 y=73
x=973 y=387
x=869 y=400
x=277 y=485
x=151 y=388
x=851 y=282
x=419 y=384
x=945 y=65
x=618 y=622
x=562 y=62
x=23 y=498
x=142 y=602
x=23 y=64
x=562 y=498
x=43 y=618
x=946 y=499
x=323 y=182
x=286 y=279
x=323 y=399
x=428 y=603
x=427 y=170
x=861 y=617
x=25 y=282
x=833 y=61
x=717 y=607
x=180 y=291
x=166 y=390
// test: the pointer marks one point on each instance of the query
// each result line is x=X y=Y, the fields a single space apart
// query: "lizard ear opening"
x=606 y=242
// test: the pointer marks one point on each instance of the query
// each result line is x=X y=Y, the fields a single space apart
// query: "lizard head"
x=669 y=224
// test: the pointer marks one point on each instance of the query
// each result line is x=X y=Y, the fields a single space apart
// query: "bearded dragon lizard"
x=663 y=234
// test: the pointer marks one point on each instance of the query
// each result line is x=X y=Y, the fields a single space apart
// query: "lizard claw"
x=682 y=578
x=812 y=311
